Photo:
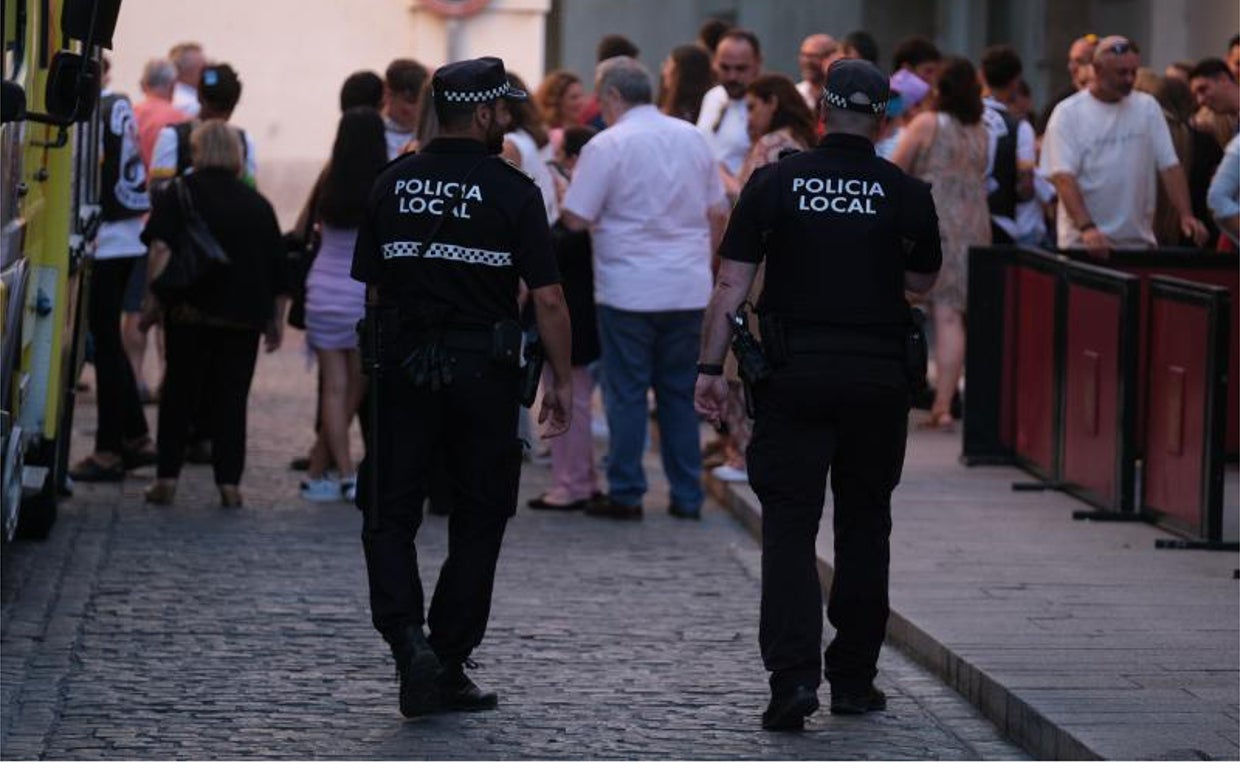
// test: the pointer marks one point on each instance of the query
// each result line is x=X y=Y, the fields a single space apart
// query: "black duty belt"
x=461 y=340
x=839 y=340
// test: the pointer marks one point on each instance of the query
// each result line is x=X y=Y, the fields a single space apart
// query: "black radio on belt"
x=751 y=362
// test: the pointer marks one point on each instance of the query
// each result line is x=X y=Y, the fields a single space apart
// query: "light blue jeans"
x=641 y=351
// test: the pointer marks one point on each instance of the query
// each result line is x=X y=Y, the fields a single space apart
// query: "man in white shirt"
x=189 y=61
x=723 y=119
x=402 y=88
x=648 y=191
x=1012 y=152
x=1105 y=148
x=817 y=53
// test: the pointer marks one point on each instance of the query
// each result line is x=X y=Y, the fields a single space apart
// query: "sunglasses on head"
x=1122 y=47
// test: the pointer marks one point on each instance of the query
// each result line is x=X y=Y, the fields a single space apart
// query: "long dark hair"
x=692 y=79
x=359 y=153
x=791 y=112
x=526 y=115
x=959 y=92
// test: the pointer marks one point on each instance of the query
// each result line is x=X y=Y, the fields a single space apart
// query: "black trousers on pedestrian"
x=472 y=425
x=204 y=360
x=846 y=417
x=121 y=419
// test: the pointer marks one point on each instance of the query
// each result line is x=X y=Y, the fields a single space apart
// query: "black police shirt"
x=838 y=227
x=494 y=230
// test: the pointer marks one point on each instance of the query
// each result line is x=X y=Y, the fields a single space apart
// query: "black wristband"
x=1086 y=227
x=710 y=369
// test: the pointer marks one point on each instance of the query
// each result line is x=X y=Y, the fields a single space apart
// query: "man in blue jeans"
x=649 y=191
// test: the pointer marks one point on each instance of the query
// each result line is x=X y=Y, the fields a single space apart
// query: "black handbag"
x=300 y=249
x=196 y=257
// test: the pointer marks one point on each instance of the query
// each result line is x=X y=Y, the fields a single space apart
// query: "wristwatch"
x=710 y=369
x=1086 y=227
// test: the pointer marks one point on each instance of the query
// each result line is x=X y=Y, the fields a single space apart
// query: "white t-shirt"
x=725 y=124
x=185 y=98
x=396 y=136
x=1114 y=151
x=646 y=185
x=1026 y=154
x=811 y=93
x=532 y=162
x=164 y=158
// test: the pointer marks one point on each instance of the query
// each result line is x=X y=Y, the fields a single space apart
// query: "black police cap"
x=474 y=81
x=856 y=85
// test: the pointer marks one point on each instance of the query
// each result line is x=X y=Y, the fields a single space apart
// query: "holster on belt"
x=916 y=350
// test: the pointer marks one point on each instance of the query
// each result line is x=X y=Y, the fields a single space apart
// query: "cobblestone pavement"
x=195 y=632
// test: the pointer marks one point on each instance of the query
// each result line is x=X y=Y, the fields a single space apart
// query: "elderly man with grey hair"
x=156 y=110
x=648 y=190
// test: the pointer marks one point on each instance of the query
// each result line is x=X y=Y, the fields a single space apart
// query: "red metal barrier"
x=1099 y=386
x=1189 y=329
x=1038 y=400
x=1204 y=267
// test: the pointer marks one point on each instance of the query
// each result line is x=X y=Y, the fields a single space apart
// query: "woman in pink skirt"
x=335 y=302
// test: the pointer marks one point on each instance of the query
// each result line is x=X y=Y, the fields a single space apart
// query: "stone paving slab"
x=194 y=632
x=1079 y=639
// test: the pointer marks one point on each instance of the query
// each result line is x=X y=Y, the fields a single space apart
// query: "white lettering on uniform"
x=837 y=195
x=430 y=196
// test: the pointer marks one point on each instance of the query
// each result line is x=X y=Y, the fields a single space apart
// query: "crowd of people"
x=638 y=168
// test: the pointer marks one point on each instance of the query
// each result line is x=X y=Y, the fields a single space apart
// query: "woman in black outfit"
x=211 y=333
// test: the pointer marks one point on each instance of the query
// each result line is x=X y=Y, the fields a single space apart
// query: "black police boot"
x=418 y=669
x=857 y=702
x=788 y=710
x=457 y=693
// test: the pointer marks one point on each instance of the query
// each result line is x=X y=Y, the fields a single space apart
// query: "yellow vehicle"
x=49 y=213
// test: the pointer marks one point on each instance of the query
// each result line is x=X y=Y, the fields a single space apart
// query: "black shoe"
x=605 y=506
x=857 y=702
x=141 y=454
x=787 y=711
x=418 y=669
x=683 y=513
x=457 y=693
x=300 y=464
x=89 y=470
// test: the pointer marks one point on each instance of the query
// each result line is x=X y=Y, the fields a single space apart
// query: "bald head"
x=1081 y=60
x=817 y=53
x=1116 y=61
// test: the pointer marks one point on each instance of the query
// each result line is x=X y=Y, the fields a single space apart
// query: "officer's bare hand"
x=556 y=410
x=709 y=396
x=1097 y=244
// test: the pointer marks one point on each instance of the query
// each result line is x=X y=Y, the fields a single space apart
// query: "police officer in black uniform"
x=844 y=234
x=447 y=235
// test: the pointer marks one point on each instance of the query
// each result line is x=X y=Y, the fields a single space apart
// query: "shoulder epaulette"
x=510 y=165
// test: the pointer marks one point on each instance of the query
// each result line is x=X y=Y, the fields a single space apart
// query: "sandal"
x=91 y=470
x=540 y=502
x=161 y=493
x=230 y=497
x=940 y=420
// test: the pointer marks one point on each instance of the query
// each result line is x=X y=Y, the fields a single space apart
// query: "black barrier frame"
x=1128 y=288
x=987 y=309
x=1049 y=478
x=1218 y=304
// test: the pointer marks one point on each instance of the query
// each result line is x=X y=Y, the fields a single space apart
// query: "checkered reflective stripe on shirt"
x=408 y=249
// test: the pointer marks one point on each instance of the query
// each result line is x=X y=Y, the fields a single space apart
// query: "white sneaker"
x=321 y=489
x=730 y=474
x=348 y=488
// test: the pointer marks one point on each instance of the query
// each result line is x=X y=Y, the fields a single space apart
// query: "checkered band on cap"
x=836 y=100
x=475 y=97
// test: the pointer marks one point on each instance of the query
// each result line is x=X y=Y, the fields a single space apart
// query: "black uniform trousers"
x=846 y=416
x=121 y=419
x=472 y=425
x=215 y=365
